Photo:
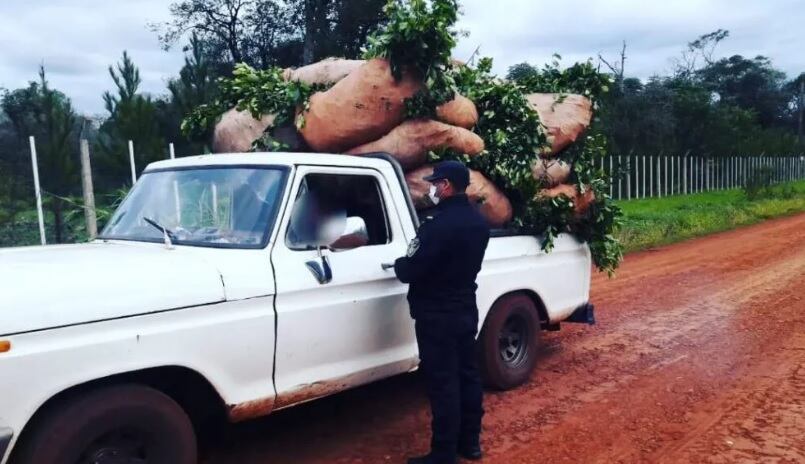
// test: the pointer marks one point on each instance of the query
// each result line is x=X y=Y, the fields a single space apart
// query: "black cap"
x=454 y=171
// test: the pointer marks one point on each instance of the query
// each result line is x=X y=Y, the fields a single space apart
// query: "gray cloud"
x=513 y=31
x=78 y=39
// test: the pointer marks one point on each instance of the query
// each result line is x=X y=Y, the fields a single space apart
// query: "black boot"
x=430 y=459
x=471 y=452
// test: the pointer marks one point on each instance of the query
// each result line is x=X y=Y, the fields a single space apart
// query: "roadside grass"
x=659 y=221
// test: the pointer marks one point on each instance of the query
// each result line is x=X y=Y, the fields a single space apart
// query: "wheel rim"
x=513 y=341
x=122 y=446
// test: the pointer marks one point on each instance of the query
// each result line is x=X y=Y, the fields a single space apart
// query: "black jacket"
x=444 y=260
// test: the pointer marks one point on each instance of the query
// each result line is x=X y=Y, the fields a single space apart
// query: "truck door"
x=342 y=320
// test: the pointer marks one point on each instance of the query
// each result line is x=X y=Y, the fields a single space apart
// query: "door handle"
x=387 y=266
x=320 y=269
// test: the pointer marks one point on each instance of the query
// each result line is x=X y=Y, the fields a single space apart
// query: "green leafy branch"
x=259 y=92
x=420 y=39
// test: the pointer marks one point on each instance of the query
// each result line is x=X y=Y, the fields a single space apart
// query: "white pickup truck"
x=206 y=297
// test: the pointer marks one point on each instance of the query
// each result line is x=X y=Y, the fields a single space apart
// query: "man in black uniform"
x=441 y=266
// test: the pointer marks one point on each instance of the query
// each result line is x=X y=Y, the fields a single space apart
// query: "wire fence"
x=641 y=176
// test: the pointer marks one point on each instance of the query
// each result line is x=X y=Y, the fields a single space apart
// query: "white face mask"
x=432 y=195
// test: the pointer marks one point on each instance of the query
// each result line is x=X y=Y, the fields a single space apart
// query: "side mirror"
x=355 y=235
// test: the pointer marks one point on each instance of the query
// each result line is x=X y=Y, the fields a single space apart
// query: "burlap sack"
x=565 y=118
x=411 y=141
x=581 y=202
x=491 y=202
x=460 y=111
x=362 y=107
x=327 y=71
x=236 y=131
x=550 y=172
x=419 y=187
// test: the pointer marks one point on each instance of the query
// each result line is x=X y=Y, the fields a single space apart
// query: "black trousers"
x=447 y=353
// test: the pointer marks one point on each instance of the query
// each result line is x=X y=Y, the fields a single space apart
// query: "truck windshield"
x=221 y=207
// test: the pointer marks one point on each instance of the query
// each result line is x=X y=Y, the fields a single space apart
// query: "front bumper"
x=6 y=434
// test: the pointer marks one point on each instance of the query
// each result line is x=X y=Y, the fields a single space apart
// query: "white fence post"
x=644 y=175
x=659 y=177
x=629 y=177
x=171 y=151
x=685 y=175
x=732 y=171
x=131 y=162
x=620 y=178
x=720 y=173
x=35 y=167
x=611 y=179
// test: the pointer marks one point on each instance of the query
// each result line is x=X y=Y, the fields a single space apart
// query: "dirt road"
x=699 y=356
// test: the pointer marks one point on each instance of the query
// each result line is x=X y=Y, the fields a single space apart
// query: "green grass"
x=659 y=221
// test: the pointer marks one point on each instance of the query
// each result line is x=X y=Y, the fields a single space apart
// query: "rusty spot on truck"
x=251 y=409
x=308 y=392
x=311 y=391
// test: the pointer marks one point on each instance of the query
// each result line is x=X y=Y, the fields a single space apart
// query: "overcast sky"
x=78 y=39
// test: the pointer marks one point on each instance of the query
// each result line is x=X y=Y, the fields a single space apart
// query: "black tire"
x=104 y=425
x=509 y=342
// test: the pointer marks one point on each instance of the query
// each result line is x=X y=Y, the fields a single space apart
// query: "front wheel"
x=125 y=424
x=509 y=342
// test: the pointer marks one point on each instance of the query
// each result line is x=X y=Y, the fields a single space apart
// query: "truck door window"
x=325 y=201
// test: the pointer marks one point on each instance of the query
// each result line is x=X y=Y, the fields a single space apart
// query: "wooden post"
x=89 y=195
x=131 y=162
x=35 y=167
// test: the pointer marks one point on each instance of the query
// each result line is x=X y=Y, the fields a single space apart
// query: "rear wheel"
x=509 y=342
x=125 y=424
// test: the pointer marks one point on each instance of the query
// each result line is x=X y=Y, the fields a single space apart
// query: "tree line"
x=707 y=106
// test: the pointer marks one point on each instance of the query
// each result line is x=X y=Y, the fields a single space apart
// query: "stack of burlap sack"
x=364 y=112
